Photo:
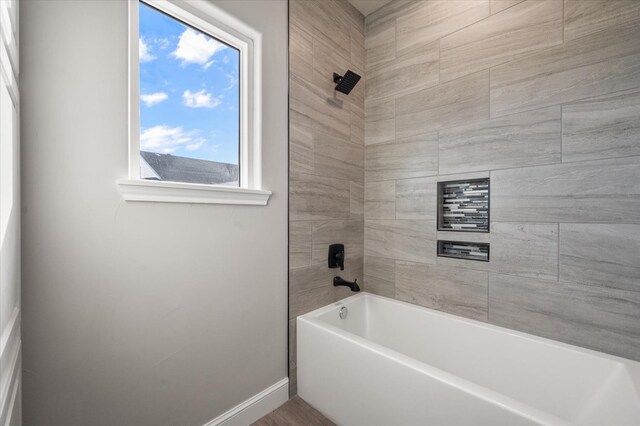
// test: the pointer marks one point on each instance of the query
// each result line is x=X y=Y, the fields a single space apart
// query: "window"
x=194 y=117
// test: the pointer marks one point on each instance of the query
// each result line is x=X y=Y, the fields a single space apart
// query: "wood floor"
x=294 y=412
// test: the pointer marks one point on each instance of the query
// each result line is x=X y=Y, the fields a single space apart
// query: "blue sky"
x=188 y=90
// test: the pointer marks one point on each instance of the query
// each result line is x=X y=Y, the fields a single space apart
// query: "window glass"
x=189 y=103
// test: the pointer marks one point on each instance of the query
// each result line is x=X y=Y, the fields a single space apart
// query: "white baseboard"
x=255 y=407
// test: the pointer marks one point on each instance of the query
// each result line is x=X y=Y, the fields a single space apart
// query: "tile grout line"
x=558 y=272
x=562 y=134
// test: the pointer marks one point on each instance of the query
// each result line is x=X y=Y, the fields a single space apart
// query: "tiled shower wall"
x=326 y=144
x=543 y=97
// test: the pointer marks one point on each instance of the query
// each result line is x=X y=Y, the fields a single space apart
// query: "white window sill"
x=178 y=192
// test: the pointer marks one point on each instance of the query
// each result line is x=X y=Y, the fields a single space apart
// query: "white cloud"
x=195 y=146
x=233 y=81
x=165 y=139
x=200 y=99
x=196 y=48
x=143 y=51
x=152 y=99
x=162 y=43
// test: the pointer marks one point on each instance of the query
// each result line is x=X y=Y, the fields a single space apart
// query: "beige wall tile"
x=327 y=59
x=416 y=198
x=380 y=121
x=306 y=301
x=380 y=44
x=454 y=290
x=606 y=255
x=404 y=158
x=357 y=124
x=380 y=200
x=337 y=157
x=601 y=63
x=322 y=19
x=602 y=127
x=514 y=33
x=412 y=240
x=380 y=276
x=318 y=108
x=299 y=243
x=516 y=140
x=315 y=197
x=356 y=197
x=300 y=52
x=414 y=70
x=326 y=194
x=586 y=17
x=525 y=249
x=500 y=5
x=357 y=47
x=427 y=21
x=606 y=191
x=300 y=143
x=310 y=277
x=454 y=103
x=347 y=232
x=596 y=317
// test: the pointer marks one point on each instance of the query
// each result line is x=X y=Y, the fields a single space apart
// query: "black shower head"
x=345 y=83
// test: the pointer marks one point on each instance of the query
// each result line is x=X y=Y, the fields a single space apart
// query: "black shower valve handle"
x=336 y=256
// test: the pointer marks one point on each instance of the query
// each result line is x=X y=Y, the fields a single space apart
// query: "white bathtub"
x=392 y=363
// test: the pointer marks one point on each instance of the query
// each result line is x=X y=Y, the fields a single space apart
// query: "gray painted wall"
x=139 y=313
x=327 y=155
x=543 y=97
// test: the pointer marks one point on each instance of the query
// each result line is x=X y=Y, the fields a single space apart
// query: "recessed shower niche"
x=463 y=205
x=464 y=250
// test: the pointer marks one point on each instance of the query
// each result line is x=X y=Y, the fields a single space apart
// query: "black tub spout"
x=337 y=281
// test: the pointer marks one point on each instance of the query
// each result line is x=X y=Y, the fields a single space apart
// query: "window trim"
x=218 y=23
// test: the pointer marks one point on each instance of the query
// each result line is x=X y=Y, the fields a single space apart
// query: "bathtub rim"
x=484 y=393
x=481 y=324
